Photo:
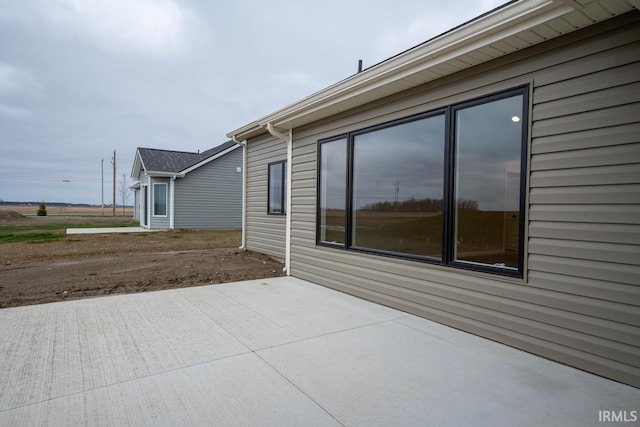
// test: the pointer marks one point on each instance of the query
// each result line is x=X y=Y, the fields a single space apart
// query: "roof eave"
x=161 y=174
x=377 y=81
x=138 y=165
x=209 y=159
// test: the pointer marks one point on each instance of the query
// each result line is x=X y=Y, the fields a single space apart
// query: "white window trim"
x=153 y=199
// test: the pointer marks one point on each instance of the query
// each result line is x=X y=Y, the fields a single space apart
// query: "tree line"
x=417 y=205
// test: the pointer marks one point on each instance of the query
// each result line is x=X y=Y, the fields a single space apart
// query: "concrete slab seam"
x=155 y=374
x=299 y=389
x=189 y=302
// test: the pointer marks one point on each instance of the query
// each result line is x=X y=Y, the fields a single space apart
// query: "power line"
x=51 y=178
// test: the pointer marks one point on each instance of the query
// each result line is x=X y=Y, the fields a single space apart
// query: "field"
x=40 y=263
x=70 y=210
x=482 y=236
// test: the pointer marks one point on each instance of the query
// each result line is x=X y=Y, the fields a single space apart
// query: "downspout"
x=289 y=140
x=171 y=200
x=243 y=246
x=287 y=252
x=272 y=130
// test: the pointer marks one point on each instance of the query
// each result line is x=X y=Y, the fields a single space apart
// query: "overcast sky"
x=81 y=78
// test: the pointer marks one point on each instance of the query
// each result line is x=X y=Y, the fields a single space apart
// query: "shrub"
x=42 y=210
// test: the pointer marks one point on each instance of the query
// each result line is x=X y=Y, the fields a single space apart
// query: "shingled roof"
x=155 y=160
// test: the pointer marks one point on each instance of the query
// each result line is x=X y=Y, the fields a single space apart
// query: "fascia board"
x=504 y=22
x=157 y=174
x=246 y=130
x=209 y=159
x=138 y=165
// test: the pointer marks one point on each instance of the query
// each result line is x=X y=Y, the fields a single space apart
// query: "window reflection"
x=277 y=190
x=333 y=188
x=443 y=186
x=397 y=188
x=487 y=182
x=160 y=199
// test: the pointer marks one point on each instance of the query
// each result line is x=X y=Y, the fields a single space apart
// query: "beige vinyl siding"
x=579 y=302
x=264 y=233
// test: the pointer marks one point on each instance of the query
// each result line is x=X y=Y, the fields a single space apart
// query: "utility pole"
x=102 y=193
x=114 y=183
x=397 y=192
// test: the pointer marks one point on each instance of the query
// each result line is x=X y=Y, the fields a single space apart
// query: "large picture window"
x=276 y=188
x=160 y=199
x=397 y=188
x=444 y=187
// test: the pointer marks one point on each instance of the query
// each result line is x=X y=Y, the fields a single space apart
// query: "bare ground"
x=90 y=265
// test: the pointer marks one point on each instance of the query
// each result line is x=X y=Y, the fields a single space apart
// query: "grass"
x=482 y=236
x=30 y=210
x=412 y=235
x=28 y=237
x=44 y=233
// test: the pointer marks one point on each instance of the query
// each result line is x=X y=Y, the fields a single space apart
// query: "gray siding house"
x=176 y=189
x=487 y=179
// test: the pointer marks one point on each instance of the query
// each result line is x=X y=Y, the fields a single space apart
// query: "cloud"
x=81 y=78
x=416 y=32
x=428 y=25
x=13 y=112
x=16 y=80
x=297 y=78
x=157 y=27
x=15 y=83
x=298 y=83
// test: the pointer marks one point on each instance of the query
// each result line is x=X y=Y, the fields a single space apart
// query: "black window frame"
x=448 y=249
x=283 y=188
x=347 y=199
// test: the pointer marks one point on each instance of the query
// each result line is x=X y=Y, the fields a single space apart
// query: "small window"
x=160 y=199
x=332 y=201
x=488 y=181
x=277 y=188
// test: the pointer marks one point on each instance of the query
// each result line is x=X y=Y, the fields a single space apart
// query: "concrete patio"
x=275 y=352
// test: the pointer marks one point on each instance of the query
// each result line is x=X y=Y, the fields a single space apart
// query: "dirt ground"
x=89 y=265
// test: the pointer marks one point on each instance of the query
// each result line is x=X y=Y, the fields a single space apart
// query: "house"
x=487 y=179
x=175 y=189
